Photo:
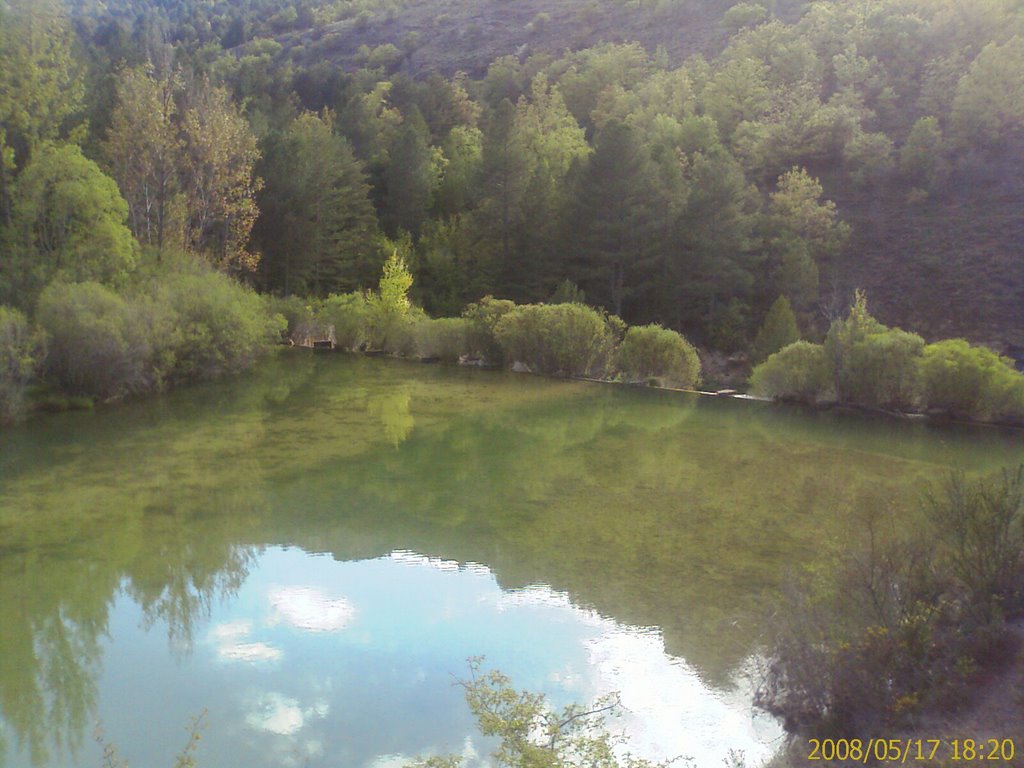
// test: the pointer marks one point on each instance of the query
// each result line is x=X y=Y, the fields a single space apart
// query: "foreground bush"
x=445 y=338
x=970 y=382
x=20 y=351
x=901 y=623
x=650 y=352
x=980 y=526
x=797 y=372
x=531 y=733
x=562 y=339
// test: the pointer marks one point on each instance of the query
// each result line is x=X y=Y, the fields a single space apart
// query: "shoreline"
x=934 y=418
x=53 y=402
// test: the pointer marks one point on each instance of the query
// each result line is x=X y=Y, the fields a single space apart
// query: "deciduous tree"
x=144 y=154
x=220 y=185
x=69 y=222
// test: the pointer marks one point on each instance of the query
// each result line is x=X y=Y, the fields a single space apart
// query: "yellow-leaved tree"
x=219 y=183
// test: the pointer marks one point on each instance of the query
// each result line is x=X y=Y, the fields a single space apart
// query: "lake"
x=307 y=555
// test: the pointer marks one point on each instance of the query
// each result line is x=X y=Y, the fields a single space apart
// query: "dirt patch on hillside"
x=945 y=267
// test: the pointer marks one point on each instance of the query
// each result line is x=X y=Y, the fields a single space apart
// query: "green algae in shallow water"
x=657 y=509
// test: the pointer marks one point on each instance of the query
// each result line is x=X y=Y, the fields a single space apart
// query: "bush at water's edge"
x=565 y=339
x=864 y=363
x=650 y=353
x=176 y=321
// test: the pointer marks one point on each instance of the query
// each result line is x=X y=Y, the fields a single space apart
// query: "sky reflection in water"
x=353 y=663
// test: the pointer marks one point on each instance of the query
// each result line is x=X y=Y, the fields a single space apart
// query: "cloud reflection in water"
x=229 y=637
x=276 y=713
x=371 y=648
x=309 y=609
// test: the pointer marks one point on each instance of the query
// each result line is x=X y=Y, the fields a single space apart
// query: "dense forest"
x=673 y=162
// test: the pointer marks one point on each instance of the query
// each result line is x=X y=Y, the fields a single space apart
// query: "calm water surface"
x=310 y=553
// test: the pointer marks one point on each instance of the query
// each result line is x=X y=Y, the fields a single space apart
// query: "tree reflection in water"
x=54 y=615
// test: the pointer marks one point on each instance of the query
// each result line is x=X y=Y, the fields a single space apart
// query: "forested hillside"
x=679 y=162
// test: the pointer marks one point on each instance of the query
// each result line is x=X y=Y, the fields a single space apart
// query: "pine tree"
x=612 y=217
x=320 y=232
x=779 y=330
x=410 y=179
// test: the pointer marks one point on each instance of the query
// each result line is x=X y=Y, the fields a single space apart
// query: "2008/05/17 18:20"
x=911 y=750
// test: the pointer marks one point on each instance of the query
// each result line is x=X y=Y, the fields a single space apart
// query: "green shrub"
x=348 y=314
x=872 y=365
x=181 y=321
x=220 y=325
x=300 y=316
x=483 y=317
x=650 y=352
x=95 y=348
x=444 y=338
x=565 y=339
x=779 y=330
x=969 y=382
x=882 y=370
x=156 y=329
x=402 y=336
x=980 y=525
x=797 y=372
x=20 y=352
x=841 y=337
x=1011 y=402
